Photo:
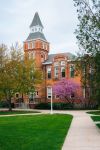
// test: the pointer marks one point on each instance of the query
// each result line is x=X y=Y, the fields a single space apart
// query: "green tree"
x=16 y=74
x=88 y=35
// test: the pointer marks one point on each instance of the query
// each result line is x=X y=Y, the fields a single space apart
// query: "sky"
x=58 y=17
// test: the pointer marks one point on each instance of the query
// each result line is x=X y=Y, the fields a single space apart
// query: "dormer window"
x=36 y=29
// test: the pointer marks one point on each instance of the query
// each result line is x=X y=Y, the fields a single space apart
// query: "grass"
x=94 y=112
x=41 y=132
x=96 y=117
x=16 y=112
x=98 y=125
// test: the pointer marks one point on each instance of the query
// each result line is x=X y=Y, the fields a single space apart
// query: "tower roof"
x=36 y=35
x=36 y=21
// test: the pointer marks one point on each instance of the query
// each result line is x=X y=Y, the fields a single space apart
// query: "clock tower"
x=36 y=46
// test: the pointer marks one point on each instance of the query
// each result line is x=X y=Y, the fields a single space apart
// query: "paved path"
x=83 y=133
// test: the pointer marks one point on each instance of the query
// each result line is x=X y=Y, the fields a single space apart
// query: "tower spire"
x=36 y=29
x=36 y=21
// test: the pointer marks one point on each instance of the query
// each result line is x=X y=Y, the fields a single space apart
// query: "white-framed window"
x=56 y=72
x=29 y=45
x=49 y=72
x=62 y=72
x=36 y=93
x=33 y=44
x=56 y=63
x=49 y=92
x=62 y=63
x=56 y=97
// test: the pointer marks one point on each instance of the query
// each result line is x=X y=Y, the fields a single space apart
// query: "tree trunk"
x=9 y=104
x=22 y=98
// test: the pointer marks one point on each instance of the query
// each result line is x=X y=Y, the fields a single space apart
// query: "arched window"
x=62 y=72
x=62 y=63
x=42 y=58
x=49 y=72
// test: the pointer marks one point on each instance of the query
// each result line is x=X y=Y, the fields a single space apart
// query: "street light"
x=51 y=102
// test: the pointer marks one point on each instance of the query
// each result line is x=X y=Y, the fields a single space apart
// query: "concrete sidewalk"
x=83 y=133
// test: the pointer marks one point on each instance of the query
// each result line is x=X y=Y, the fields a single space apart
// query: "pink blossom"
x=65 y=89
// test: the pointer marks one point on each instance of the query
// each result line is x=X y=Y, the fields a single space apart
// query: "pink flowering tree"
x=66 y=90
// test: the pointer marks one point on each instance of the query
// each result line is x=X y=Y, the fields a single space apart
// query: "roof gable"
x=51 y=57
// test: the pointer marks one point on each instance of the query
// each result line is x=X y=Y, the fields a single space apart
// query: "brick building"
x=54 y=66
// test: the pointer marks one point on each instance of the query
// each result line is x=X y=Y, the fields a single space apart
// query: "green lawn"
x=94 y=112
x=95 y=118
x=41 y=132
x=16 y=112
x=98 y=125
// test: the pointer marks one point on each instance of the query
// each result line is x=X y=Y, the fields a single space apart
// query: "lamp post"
x=51 y=103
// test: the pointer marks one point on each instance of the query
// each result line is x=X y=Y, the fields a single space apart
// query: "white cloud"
x=58 y=17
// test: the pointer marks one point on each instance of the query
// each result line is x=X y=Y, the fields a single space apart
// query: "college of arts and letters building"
x=54 y=66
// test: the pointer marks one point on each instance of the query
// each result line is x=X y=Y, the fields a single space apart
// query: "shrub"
x=56 y=106
x=4 y=104
x=42 y=106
